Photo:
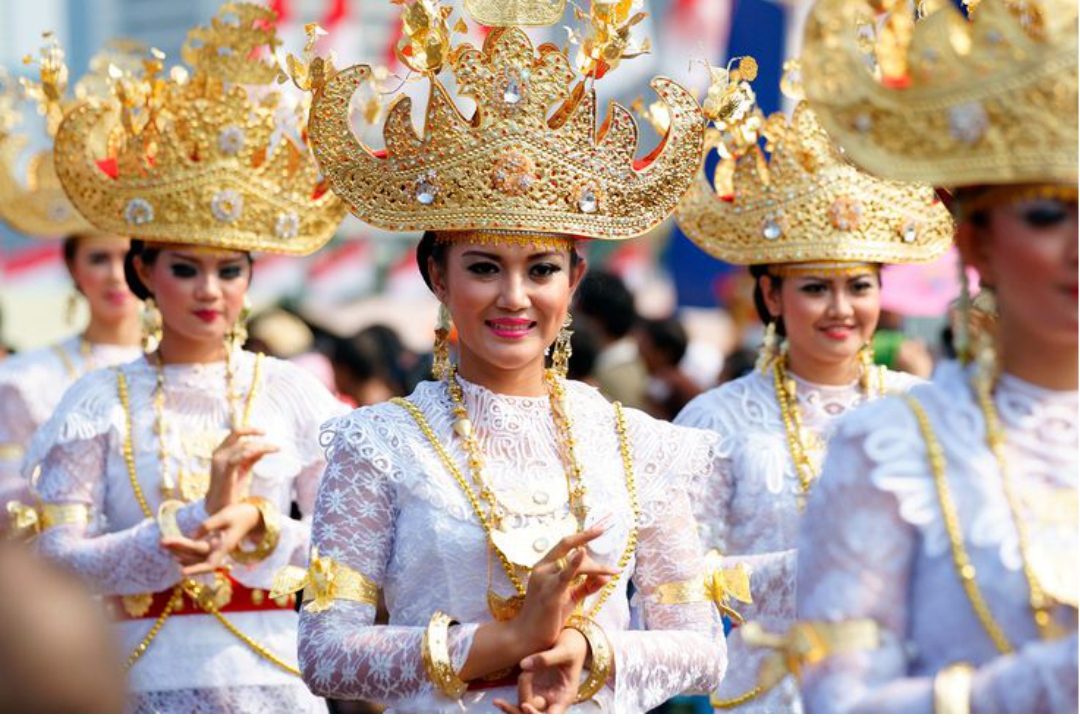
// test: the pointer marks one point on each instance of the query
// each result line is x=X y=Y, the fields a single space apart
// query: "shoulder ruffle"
x=294 y=393
x=731 y=410
x=38 y=378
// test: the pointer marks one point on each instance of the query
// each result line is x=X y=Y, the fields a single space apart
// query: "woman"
x=956 y=564
x=817 y=268
x=32 y=383
x=501 y=511
x=156 y=473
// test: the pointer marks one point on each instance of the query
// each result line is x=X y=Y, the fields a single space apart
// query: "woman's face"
x=827 y=319
x=97 y=269
x=507 y=302
x=200 y=294
x=1027 y=252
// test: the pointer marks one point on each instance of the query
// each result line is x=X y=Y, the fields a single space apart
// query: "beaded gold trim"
x=542 y=241
x=838 y=269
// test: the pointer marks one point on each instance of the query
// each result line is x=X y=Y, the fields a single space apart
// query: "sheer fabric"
x=388 y=508
x=31 y=385
x=751 y=513
x=194 y=659
x=888 y=557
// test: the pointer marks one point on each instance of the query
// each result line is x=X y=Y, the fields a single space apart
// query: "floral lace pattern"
x=889 y=558
x=80 y=454
x=388 y=508
x=31 y=386
x=751 y=514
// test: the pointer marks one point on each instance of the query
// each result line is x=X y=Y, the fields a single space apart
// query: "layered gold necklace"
x=802 y=442
x=520 y=551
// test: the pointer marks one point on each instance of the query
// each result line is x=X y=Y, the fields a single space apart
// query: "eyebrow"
x=493 y=256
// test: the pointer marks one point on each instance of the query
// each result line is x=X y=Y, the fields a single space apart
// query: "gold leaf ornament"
x=609 y=41
x=510 y=13
x=425 y=36
x=308 y=71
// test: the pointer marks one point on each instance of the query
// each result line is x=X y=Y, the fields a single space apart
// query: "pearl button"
x=540 y=544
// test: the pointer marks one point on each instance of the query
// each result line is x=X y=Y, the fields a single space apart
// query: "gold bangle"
x=600 y=669
x=435 y=649
x=952 y=689
x=166 y=519
x=271 y=533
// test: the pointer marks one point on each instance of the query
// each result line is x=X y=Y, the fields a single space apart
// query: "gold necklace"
x=86 y=352
x=799 y=437
x=503 y=608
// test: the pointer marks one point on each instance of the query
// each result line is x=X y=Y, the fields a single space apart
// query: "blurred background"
x=358 y=312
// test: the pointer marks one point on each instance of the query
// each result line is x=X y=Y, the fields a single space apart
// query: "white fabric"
x=80 y=452
x=388 y=508
x=873 y=545
x=31 y=385
x=751 y=513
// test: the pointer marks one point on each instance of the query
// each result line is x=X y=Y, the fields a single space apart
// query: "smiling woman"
x=167 y=482
x=816 y=260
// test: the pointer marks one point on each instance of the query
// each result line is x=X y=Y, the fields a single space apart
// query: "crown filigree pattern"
x=947 y=100
x=208 y=159
x=511 y=166
x=806 y=203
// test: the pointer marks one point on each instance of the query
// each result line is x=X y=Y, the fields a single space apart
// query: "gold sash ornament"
x=720 y=586
x=27 y=520
x=807 y=643
x=323 y=581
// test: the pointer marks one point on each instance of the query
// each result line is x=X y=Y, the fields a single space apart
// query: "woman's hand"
x=556 y=587
x=230 y=468
x=219 y=535
x=549 y=680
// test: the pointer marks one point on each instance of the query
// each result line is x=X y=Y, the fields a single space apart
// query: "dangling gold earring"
x=866 y=366
x=72 y=307
x=237 y=335
x=962 y=327
x=983 y=342
x=440 y=366
x=562 y=349
x=151 y=326
x=768 y=351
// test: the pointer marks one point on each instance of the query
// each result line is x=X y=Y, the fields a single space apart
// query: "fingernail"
x=527 y=664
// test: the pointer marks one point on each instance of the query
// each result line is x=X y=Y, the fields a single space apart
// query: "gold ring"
x=561 y=564
x=578 y=580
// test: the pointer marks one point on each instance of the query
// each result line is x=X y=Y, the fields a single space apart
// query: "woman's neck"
x=526 y=381
x=819 y=373
x=126 y=332
x=176 y=350
x=1034 y=360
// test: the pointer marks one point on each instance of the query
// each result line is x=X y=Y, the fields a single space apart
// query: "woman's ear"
x=577 y=273
x=973 y=242
x=438 y=280
x=770 y=292
x=142 y=270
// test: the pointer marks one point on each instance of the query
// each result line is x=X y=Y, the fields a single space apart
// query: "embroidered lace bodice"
x=31 y=385
x=751 y=515
x=194 y=663
x=887 y=555
x=389 y=509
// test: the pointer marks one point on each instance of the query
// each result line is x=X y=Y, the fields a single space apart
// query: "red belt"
x=238 y=598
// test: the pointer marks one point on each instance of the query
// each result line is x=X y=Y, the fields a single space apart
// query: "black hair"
x=71 y=246
x=430 y=247
x=604 y=298
x=374 y=352
x=758 y=272
x=148 y=254
x=669 y=338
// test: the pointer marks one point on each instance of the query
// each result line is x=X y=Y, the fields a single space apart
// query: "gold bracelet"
x=272 y=532
x=602 y=657
x=952 y=689
x=435 y=649
x=166 y=519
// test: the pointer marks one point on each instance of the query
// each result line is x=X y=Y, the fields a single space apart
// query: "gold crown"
x=510 y=166
x=945 y=100
x=36 y=204
x=806 y=203
x=202 y=160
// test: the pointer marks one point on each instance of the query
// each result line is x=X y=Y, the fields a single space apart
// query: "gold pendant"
x=526 y=546
x=137 y=605
x=504 y=609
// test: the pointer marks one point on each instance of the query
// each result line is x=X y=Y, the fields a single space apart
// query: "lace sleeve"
x=124 y=562
x=16 y=428
x=342 y=653
x=712 y=499
x=682 y=649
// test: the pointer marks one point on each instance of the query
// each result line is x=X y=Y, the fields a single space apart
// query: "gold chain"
x=737 y=700
x=86 y=351
x=794 y=430
x=455 y=472
x=187 y=586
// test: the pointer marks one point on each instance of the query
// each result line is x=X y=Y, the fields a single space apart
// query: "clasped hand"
x=230 y=519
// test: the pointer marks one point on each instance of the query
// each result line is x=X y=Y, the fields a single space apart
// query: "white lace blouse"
x=887 y=556
x=388 y=509
x=750 y=514
x=194 y=664
x=31 y=385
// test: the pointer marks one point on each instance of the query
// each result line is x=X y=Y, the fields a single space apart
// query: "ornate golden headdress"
x=514 y=165
x=37 y=206
x=945 y=100
x=806 y=203
x=213 y=159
